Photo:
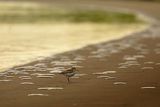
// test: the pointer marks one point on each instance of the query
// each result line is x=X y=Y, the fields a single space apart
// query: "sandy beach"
x=119 y=73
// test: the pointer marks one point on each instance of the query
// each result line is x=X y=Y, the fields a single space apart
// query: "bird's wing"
x=66 y=71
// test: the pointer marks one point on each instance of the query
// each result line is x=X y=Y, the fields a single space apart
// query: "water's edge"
x=148 y=19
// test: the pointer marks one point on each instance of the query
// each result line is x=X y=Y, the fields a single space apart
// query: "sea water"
x=23 y=43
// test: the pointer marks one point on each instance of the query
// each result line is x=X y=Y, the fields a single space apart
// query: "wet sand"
x=120 y=73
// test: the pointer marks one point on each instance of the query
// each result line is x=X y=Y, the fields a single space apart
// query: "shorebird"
x=69 y=72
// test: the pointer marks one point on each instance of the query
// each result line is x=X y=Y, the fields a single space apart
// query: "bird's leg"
x=68 y=79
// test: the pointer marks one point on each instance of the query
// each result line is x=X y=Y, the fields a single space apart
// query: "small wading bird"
x=69 y=72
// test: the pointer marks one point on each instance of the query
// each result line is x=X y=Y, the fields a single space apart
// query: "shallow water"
x=22 y=43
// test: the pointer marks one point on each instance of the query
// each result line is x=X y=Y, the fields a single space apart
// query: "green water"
x=31 y=31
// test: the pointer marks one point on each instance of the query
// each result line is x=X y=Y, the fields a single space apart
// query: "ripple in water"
x=27 y=83
x=50 y=88
x=147 y=68
x=119 y=83
x=38 y=95
x=5 y=80
x=105 y=72
x=151 y=87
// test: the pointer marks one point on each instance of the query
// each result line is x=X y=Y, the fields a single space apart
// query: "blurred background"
x=35 y=29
